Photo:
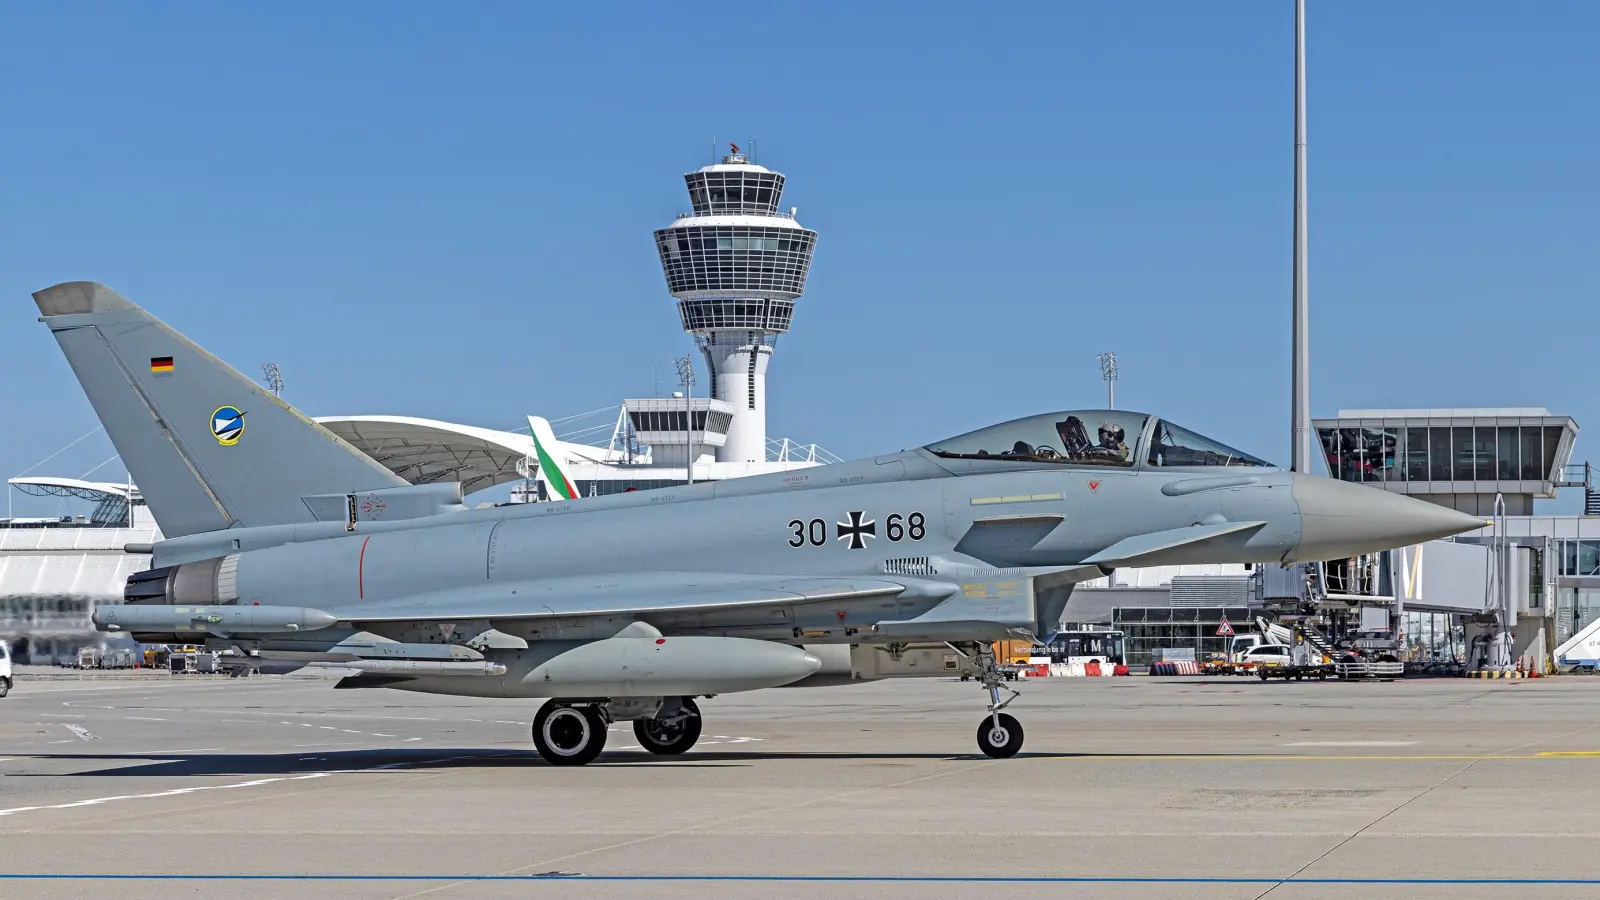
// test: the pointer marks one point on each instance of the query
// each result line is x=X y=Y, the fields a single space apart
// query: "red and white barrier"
x=1086 y=670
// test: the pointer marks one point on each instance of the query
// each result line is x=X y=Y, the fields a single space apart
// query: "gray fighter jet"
x=287 y=543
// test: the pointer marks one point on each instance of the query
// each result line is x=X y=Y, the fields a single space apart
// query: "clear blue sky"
x=445 y=210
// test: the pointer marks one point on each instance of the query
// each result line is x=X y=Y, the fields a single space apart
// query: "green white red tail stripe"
x=556 y=481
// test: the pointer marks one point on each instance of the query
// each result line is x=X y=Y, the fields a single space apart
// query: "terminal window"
x=1441 y=452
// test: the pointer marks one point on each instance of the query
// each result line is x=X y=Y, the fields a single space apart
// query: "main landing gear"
x=673 y=729
x=999 y=734
x=568 y=734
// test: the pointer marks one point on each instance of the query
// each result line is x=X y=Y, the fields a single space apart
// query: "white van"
x=5 y=668
x=1267 y=655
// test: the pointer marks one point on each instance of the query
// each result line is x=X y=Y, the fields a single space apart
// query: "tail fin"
x=208 y=447
x=544 y=445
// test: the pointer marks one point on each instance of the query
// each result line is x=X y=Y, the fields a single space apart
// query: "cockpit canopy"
x=1101 y=437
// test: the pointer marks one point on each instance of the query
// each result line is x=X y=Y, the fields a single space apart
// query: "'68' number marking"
x=897 y=527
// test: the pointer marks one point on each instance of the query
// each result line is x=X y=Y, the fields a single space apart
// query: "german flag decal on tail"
x=160 y=365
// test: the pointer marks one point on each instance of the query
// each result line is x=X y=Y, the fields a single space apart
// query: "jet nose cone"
x=1338 y=519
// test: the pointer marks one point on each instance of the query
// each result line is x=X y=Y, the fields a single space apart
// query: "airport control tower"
x=736 y=264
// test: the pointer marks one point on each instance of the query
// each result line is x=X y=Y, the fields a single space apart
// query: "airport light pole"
x=1108 y=372
x=685 y=366
x=272 y=378
x=1300 y=407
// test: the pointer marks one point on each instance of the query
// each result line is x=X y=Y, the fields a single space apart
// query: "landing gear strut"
x=673 y=729
x=569 y=735
x=999 y=734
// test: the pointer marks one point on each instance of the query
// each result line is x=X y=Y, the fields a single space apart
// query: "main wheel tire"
x=670 y=739
x=1002 y=742
x=569 y=735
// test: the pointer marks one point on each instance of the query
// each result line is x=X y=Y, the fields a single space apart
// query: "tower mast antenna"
x=1300 y=411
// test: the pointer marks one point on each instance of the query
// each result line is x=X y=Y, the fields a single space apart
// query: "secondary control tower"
x=736 y=264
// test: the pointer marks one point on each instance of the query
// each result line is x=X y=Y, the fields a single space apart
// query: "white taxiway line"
x=170 y=793
x=242 y=784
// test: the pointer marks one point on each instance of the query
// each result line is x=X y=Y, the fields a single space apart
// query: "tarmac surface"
x=1135 y=787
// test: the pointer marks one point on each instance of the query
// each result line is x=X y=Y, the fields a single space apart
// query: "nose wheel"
x=670 y=731
x=569 y=735
x=1000 y=736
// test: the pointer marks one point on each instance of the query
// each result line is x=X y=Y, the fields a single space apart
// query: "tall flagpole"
x=1301 y=406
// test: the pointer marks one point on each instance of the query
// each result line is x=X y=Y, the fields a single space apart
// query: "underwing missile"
x=219 y=620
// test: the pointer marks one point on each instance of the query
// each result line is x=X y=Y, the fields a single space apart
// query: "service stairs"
x=1316 y=639
x=1582 y=475
x=1582 y=649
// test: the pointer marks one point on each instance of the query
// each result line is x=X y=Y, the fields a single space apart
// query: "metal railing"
x=1581 y=475
x=744 y=209
x=786 y=450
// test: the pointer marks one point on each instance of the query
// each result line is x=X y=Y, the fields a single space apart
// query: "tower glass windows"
x=741 y=191
x=771 y=262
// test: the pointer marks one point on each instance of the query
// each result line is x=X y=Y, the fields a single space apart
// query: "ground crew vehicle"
x=1278 y=661
x=5 y=668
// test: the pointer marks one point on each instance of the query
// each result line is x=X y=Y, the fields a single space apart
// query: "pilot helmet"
x=1111 y=434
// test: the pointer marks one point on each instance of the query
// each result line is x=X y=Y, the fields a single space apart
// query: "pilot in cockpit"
x=1111 y=442
x=1114 y=439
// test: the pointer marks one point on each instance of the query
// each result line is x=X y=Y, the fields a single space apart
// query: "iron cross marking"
x=857 y=531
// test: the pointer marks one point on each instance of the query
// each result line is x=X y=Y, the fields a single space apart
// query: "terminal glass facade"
x=1151 y=628
x=1441 y=452
x=1431 y=638
x=713 y=421
x=1580 y=558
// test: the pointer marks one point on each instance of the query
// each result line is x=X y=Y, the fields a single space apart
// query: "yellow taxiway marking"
x=1287 y=757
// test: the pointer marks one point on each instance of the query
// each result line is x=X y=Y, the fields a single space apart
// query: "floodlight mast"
x=685 y=365
x=272 y=378
x=1108 y=372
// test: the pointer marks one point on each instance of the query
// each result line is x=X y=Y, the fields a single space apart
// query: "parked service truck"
x=1272 y=652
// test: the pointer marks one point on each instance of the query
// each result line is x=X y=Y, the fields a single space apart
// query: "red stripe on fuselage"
x=361 y=574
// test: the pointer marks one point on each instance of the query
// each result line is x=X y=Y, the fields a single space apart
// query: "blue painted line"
x=825 y=879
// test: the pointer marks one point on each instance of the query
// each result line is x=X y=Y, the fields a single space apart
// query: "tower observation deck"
x=736 y=264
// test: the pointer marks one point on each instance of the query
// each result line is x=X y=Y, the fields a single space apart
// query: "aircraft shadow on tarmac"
x=151 y=765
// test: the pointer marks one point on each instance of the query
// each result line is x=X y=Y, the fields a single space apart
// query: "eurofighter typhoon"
x=292 y=546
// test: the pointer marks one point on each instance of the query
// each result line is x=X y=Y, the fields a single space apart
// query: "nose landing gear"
x=999 y=734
